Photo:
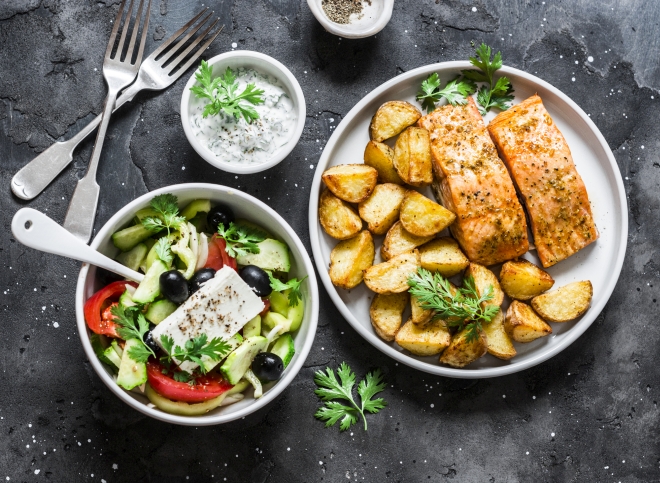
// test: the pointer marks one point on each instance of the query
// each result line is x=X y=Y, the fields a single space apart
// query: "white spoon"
x=35 y=230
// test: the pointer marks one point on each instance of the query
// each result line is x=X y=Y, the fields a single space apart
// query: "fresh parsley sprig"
x=495 y=93
x=222 y=93
x=167 y=207
x=456 y=91
x=194 y=349
x=294 y=284
x=330 y=389
x=132 y=325
x=462 y=307
x=164 y=250
x=241 y=239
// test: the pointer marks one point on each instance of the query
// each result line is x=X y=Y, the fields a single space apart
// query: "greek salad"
x=214 y=315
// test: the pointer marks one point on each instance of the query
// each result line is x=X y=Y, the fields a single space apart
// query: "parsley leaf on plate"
x=132 y=325
x=456 y=91
x=167 y=207
x=241 y=239
x=294 y=284
x=164 y=250
x=194 y=349
x=496 y=93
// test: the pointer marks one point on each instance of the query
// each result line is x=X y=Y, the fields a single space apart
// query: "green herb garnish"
x=194 y=350
x=164 y=250
x=456 y=91
x=460 y=307
x=330 y=389
x=241 y=239
x=294 y=284
x=496 y=93
x=132 y=325
x=166 y=205
x=222 y=93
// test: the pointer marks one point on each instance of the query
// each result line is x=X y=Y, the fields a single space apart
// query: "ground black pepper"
x=340 y=11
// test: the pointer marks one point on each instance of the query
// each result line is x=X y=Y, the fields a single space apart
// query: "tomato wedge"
x=206 y=387
x=214 y=259
x=97 y=303
x=266 y=307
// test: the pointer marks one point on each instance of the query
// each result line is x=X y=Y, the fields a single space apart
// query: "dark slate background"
x=590 y=414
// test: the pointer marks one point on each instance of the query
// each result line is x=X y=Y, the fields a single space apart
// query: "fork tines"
x=121 y=51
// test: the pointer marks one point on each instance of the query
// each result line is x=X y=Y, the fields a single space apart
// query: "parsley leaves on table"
x=331 y=389
x=456 y=91
x=194 y=349
x=167 y=207
x=462 y=307
x=222 y=93
x=294 y=284
x=133 y=325
x=495 y=93
x=241 y=239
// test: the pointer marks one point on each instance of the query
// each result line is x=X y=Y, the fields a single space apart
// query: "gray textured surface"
x=590 y=414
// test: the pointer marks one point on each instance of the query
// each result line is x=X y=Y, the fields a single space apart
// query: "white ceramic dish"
x=600 y=262
x=261 y=63
x=244 y=206
x=374 y=18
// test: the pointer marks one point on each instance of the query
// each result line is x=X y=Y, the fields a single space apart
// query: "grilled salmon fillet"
x=472 y=181
x=540 y=162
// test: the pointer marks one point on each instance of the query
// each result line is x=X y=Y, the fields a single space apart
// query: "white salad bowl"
x=244 y=206
x=266 y=65
x=375 y=15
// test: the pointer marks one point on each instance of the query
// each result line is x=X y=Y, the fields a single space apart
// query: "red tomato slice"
x=266 y=307
x=206 y=387
x=98 y=303
x=222 y=247
x=214 y=259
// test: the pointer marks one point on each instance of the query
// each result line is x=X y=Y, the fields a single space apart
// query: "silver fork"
x=153 y=75
x=119 y=70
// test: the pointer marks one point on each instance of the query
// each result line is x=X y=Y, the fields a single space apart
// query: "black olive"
x=220 y=214
x=201 y=276
x=174 y=286
x=150 y=342
x=257 y=279
x=267 y=366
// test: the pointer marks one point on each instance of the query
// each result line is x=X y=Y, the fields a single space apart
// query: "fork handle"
x=35 y=176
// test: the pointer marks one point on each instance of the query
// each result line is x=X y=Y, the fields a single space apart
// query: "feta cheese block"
x=220 y=308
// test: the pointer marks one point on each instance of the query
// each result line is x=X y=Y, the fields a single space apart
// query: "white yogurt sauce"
x=236 y=141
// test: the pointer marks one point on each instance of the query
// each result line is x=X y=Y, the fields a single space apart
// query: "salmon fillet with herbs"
x=542 y=167
x=472 y=181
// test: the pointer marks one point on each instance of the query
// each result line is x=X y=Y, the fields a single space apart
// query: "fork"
x=119 y=70
x=154 y=74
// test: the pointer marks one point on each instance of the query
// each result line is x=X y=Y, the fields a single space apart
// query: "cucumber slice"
x=134 y=257
x=101 y=346
x=129 y=237
x=253 y=327
x=199 y=222
x=249 y=224
x=272 y=320
x=111 y=358
x=273 y=255
x=146 y=212
x=285 y=348
x=131 y=373
x=279 y=303
x=126 y=299
x=240 y=386
x=233 y=342
x=149 y=288
x=195 y=207
x=159 y=311
x=183 y=408
x=238 y=362
x=117 y=348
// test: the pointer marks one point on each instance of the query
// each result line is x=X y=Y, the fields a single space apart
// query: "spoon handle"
x=35 y=230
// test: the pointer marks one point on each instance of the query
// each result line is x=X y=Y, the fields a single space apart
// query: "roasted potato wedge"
x=350 y=258
x=483 y=278
x=386 y=313
x=351 y=182
x=392 y=276
x=391 y=118
x=419 y=315
x=565 y=303
x=422 y=216
x=338 y=218
x=381 y=209
x=412 y=157
x=523 y=325
x=462 y=352
x=522 y=280
x=499 y=342
x=381 y=157
x=398 y=241
x=444 y=256
x=427 y=340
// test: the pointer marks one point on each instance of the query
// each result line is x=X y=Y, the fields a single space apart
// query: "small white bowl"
x=374 y=18
x=266 y=65
x=244 y=206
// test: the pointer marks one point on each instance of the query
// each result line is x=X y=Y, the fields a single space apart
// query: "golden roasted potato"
x=338 y=218
x=499 y=342
x=398 y=241
x=428 y=340
x=482 y=279
x=381 y=209
x=386 y=313
x=444 y=256
x=419 y=315
x=351 y=182
x=392 y=276
x=422 y=217
x=350 y=258
x=523 y=325
x=522 y=280
x=565 y=303
x=391 y=118
x=462 y=352
x=381 y=157
x=412 y=157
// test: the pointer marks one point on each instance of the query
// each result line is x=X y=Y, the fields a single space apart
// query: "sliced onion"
x=193 y=244
x=231 y=399
x=203 y=252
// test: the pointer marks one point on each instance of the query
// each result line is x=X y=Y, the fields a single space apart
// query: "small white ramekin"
x=261 y=63
x=375 y=16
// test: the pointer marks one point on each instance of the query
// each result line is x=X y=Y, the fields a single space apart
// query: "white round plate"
x=600 y=262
